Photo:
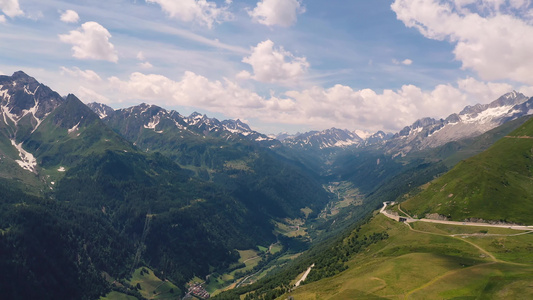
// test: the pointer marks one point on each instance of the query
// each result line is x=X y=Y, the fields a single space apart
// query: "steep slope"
x=385 y=259
x=69 y=133
x=494 y=185
x=58 y=250
x=42 y=133
x=426 y=261
x=179 y=222
x=227 y=153
x=24 y=104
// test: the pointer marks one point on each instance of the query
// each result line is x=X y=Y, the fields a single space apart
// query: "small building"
x=402 y=219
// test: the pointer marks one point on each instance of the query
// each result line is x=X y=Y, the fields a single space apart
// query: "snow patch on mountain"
x=486 y=115
x=27 y=160
x=363 y=134
x=74 y=128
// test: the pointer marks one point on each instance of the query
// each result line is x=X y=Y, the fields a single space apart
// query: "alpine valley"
x=145 y=203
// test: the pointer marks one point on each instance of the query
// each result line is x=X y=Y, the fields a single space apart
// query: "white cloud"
x=406 y=62
x=526 y=90
x=483 y=92
x=277 y=12
x=191 y=90
x=145 y=65
x=91 y=41
x=35 y=15
x=88 y=95
x=243 y=75
x=339 y=106
x=2 y=19
x=200 y=11
x=270 y=65
x=11 y=8
x=488 y=38
x=70 y=16
x=89 y=75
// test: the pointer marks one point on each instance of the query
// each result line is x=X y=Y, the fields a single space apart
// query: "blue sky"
x=280 y=65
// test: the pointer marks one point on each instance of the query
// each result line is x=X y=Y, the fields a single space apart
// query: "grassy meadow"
x=427 y=262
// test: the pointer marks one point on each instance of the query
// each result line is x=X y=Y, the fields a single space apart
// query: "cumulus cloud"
x=275 y=65
x=340 y=105
x=91 y=41
x=89 y=75
x=277 y=12
x=11 y=8
x=200 y=11
x=489 y=35
x=146 y=65
x=2 y=19
x=406 y=62
x=140 y=56
x=484 y=92
x=88 y=95
x=70 y=16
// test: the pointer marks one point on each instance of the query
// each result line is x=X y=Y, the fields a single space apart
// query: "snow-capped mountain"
x=379 y=137
x=25 y=103
x=470 y=122
x=40 y=130
x=323 y=139
x=160 y=120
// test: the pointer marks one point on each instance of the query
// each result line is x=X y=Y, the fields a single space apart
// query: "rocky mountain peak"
x=24 y=103
x=471 y=121
x=101 y=110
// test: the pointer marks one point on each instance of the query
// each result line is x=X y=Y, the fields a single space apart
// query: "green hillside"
x=426 y=262
x=494 y=185
x=71 y=132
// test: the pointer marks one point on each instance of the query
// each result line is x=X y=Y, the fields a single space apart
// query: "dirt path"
x=246 y=278
x=461 y=237
x=400 y=209
x=411 y=220
x=304 y=277
x=251 y=258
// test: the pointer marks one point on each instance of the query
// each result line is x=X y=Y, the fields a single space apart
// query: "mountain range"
x=423 y=133
x=93 y=197
x=483 y=255
x=220 y=188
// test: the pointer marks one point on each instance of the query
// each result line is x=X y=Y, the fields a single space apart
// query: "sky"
x=279 y=65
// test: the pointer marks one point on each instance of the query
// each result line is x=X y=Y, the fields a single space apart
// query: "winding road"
x=411 y=220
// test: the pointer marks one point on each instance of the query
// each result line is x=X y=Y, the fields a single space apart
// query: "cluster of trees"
x=333 y=261
x=52 y=250
x=328 y=256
